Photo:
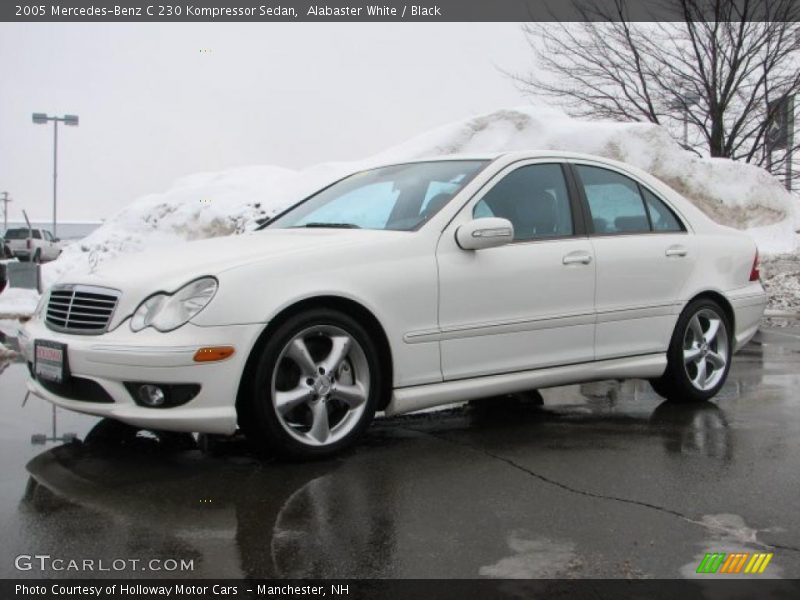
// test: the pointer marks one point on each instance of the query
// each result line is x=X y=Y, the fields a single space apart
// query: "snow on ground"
x=16 y=302
x=6 y=353
x=235 y=200
x=781 y=277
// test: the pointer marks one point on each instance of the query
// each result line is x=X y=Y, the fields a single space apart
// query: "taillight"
x=28 y=243
x=755 y=275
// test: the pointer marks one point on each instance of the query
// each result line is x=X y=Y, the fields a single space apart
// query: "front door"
x=528 y=304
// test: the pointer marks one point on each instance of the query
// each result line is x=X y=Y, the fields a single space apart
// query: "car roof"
x=509 y=155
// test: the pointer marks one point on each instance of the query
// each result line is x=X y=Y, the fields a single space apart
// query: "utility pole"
x=5 y=200
x=789 y=140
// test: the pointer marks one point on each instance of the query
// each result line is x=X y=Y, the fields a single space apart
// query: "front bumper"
x=153 y=357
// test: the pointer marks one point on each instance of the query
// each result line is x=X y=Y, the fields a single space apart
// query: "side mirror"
x=488 y=232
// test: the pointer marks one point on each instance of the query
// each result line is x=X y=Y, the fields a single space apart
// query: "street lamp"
x=42 y=119
x=684 y=101
x=5 y=200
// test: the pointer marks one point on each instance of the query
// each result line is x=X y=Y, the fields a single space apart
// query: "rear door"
x=644 y=256
x=528 y=304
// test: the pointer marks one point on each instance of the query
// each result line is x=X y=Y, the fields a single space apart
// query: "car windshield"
x=17 y=234
x=398 y=198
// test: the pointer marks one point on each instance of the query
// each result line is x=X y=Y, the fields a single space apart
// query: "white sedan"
x=404 y=287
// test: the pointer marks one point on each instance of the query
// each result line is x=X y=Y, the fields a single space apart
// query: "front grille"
x=81 y=309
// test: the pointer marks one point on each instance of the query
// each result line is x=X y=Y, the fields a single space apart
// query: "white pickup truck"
x=37 y=245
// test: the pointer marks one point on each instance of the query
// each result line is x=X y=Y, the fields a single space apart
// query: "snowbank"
x=6 y=353
x=232 y=201
x=16 y=302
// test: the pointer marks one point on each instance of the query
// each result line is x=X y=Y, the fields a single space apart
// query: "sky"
x=159 y=101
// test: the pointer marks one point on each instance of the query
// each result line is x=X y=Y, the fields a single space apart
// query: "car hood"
x=172 y=266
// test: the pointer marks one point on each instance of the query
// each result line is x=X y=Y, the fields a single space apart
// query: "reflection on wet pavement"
x=598 y=480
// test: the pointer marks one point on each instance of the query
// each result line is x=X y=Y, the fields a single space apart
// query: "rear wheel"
x=699 y=355
x=37 y=257
x=316 y=386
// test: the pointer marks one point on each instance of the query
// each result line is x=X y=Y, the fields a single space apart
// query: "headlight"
x=166 y=312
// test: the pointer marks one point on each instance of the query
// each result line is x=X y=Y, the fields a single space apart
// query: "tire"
x=699 y=355
x=37 y=257
x=321 y=414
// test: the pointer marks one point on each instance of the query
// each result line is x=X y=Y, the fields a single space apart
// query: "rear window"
x=17 y=234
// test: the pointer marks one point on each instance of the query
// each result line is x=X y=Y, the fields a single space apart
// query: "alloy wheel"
x=705 y=349
x=320 y=385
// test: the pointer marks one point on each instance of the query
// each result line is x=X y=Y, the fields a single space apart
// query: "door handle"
x=676 y=251
x=583 y=258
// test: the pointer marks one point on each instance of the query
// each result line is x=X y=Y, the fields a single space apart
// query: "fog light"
x=151 y=395
x=161 y=395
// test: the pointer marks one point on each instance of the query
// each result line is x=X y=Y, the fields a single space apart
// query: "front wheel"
x=699 y=355
x=316 y=386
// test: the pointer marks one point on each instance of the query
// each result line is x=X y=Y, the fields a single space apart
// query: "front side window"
x=399 y=197
x=534 y=198
x=615 y=204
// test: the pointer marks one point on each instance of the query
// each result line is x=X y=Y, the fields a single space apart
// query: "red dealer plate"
x=50 y=361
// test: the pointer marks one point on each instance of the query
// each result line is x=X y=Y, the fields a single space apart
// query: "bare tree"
x=722 y=71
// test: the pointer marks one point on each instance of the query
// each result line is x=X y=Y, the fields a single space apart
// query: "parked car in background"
x=37 y=245
x=404 y=287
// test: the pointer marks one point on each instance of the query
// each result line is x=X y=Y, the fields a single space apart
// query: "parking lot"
x=601 y=480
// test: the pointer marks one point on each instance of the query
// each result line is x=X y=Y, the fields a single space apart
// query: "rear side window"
x=661 y=217
x=36 y=234
x=534 y=198
x=615 y=204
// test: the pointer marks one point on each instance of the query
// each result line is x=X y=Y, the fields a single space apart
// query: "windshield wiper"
x=331 y=225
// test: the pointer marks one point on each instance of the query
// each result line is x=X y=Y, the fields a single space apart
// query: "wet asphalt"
x=600 y=480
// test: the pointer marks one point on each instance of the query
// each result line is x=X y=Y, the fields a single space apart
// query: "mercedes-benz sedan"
x=403 y=287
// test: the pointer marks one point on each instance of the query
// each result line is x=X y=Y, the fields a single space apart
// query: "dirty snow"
x=533 y=558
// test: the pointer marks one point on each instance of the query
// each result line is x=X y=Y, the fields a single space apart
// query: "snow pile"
x=781 y=278
x=17 y=302
x=6 y=353
x=732 y=193
x=233 y=201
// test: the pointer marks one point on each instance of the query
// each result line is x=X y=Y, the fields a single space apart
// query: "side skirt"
x=409 y=399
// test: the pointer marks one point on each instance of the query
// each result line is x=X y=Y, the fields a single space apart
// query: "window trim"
x=578 y=223
x=587 y=213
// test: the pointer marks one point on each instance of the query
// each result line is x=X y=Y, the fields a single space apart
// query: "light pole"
x=5 y=200
x=684 y=101
x=42 y=119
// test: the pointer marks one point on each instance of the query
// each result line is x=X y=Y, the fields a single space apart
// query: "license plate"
x=50 y=361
